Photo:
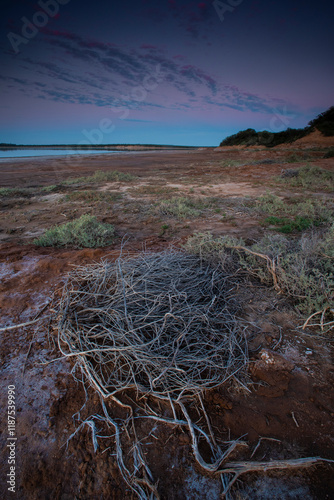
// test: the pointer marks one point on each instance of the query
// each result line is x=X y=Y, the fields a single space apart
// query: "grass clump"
x=101 y=176
x=92 y=196
x=313 y=178
x=85 y=232
x=17 y=192
x=270 y=204
x=5 y=192
x=181 y=207
x=51 y=189
x=294 y=214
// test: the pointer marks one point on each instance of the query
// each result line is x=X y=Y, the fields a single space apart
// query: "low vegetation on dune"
x=249 y=137
x=17 y=192
x=324 y=122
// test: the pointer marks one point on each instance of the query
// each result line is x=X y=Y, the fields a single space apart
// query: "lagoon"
x=22 y=153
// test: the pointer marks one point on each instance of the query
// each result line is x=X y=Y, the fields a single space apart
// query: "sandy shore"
x=29 y=171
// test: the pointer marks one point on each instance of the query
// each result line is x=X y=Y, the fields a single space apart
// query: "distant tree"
x=244 y=137
x=249 y=137
x=324 y=122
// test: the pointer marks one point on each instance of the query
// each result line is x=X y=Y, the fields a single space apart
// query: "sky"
x=161 y=72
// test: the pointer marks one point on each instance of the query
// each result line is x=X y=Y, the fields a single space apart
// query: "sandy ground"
x=291 y=399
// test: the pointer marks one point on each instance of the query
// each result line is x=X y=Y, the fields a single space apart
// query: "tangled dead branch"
x=163 y=325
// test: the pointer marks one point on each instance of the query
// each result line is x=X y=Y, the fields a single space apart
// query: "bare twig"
x=22 y=325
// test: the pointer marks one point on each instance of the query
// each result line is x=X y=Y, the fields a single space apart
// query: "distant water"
x=21 y=153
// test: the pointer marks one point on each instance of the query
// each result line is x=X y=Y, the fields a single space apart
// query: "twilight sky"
x=161 y=72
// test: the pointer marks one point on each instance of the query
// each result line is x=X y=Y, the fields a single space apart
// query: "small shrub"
x=270 y=204
x=164 y=228
x=4 y=192
x=208 y=247
x=181 y=207
x=85 y=232
x=294 y=158
x=288 y=226
x=289 y=173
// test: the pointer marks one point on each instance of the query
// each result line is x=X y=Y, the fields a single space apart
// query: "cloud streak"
x=88 y=71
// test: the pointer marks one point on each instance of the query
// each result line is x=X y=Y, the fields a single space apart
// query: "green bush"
x=246 y=137
x=288 y=226
x=4 y=192
x=250 y=137
x=324 y=122
x=85 y=232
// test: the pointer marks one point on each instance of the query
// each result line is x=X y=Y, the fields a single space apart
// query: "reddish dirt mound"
x=313 y=140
